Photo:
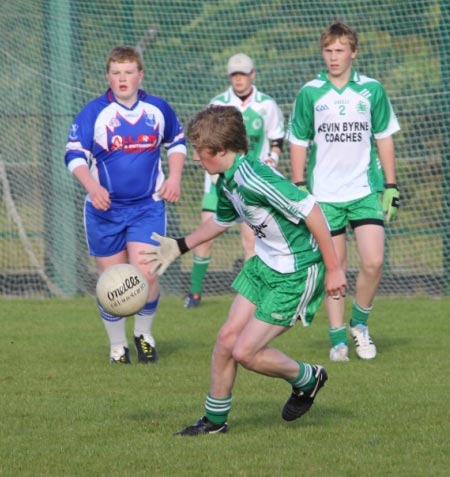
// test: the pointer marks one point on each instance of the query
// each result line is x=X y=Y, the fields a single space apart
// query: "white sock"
x=115 y=329
x=143 y=324
x=143 y=321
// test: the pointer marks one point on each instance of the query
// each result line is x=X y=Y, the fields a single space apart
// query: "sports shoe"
x=300 y=401
x=146 y=349
x=192 y=300
x=339 y=353
x=203 y=426
x=365 y=348
x=120 y=355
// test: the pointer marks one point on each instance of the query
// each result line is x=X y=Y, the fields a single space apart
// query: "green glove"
x=302 y=186
x=391 y=201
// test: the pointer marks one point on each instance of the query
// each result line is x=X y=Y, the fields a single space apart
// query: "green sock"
x=305 y=378
x=360 y=315
x=337 y=335
x=217 y=410
x=199 y=268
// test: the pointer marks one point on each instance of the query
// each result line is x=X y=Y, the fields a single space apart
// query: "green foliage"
x=54 y=62
x=65 y=411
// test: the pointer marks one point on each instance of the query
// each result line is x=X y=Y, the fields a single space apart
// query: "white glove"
x=161 y=257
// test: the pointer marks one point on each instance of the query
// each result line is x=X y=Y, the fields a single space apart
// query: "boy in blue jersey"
x=294 y=266
x=346 y=122
x=114 y=151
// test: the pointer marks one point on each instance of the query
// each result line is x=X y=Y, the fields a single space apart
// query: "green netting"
x=53 y=62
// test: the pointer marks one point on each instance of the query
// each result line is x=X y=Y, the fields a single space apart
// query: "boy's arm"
x=170 y=249
x=98 y=194
x=298 y=160
x=171 y=189
x=335 y=281
x=391 y=195
x=386 y=153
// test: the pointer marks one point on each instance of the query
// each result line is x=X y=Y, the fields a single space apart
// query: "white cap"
x=240 y=63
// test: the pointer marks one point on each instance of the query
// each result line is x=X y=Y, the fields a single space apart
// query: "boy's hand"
x=391 y=201
x=161 y=257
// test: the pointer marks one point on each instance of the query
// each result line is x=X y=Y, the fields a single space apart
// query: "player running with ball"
x=294 y=266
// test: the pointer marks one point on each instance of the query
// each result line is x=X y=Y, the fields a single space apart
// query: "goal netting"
x=53 y=61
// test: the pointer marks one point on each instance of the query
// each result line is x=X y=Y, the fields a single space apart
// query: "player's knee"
x=225 y=341
x=242 y=356
x=374 y=266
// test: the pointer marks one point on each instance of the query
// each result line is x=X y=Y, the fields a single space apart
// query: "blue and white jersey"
x=122 y=146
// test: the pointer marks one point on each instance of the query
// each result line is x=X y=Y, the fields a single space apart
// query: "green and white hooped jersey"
x=340 y=126
x=262 y=118
x=275 y=210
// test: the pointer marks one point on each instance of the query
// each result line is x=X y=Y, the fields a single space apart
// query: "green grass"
x=64 y=411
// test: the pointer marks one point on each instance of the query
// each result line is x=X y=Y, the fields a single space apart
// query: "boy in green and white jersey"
x=294 y=266
x=347 y=122
x=264 y=124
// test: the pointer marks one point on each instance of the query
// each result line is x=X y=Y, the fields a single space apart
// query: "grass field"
x=65 y=411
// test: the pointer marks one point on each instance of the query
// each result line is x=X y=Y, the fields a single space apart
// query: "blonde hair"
x=123 y=54
x=338 y=30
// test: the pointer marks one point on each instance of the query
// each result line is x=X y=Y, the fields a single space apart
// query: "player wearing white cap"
x=264 y=124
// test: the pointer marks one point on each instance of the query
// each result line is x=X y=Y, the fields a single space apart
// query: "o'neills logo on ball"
x=128 y=284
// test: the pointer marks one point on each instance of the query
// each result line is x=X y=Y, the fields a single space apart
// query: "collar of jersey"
x=247 y=100
x=229 y=173
x=354 y=77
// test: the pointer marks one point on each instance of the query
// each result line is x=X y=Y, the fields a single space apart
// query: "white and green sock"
x=337 y=335
x=305 y=378
x=217 y=410
x=360 y=315
x=199 y=269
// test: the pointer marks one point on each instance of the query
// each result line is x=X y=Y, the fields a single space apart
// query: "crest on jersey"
x=150 y=120
x=114 y=123
x=73 y=133
x=257 y=123
x=361 y=107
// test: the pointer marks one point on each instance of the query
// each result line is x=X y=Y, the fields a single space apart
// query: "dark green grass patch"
x=65 y=411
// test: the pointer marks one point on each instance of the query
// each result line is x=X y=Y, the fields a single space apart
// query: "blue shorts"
x=107 y=233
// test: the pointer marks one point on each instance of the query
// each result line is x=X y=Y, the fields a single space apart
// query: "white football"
x=122 y=290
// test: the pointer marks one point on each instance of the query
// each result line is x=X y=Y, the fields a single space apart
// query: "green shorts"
x=209 y=203
x=356 y=212
x=281 y=299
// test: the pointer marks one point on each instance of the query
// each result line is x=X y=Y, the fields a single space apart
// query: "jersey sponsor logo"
x=143 y=142
x=140 y=137
x=322 y=107
x=347 y=131
x=258 y=230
